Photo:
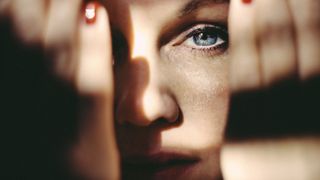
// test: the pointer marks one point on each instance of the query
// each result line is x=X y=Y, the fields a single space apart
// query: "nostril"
x=171 y=110
x=166 y=123
x=173 y=115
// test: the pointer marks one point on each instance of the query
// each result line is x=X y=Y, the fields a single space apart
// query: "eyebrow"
x=194 y=5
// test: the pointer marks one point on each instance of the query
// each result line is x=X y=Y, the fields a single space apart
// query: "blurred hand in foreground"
x=274 y=78
x=77 y=53
x=48 y=24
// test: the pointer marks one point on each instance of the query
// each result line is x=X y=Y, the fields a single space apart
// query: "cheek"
x=204 y=85
x=203 y=95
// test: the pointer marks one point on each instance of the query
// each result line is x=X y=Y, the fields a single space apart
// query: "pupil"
x=205 y=39
x=203 y=36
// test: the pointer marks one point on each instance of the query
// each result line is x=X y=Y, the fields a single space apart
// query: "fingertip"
x=94 y=74
x=90 y=12
x=247 y=1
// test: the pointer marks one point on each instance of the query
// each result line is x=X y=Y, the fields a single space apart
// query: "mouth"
x=164 y=164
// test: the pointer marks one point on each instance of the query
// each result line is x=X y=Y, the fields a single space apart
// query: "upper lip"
x=160 y=160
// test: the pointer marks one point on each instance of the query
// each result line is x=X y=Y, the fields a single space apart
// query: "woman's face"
x=171 y=86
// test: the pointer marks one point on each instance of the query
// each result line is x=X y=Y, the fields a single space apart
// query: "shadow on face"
x=171 y=92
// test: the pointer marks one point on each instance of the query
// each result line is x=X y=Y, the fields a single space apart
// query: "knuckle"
x=27 y=35
x=274 y=29
x=58 y=38
x=28 y=24
x=275 y=23
x=4 y=7
x=310 y=23
x=306 y=15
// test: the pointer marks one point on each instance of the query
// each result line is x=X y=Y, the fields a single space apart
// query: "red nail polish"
x=247 y=1
x=91 y=12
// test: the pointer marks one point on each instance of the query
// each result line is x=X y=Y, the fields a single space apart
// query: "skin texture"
x=152 y=114
x=165 y=95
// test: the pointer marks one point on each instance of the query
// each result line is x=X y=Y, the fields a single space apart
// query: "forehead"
x=119 y=8
x=156 y=10
x=188 y=5
x=127 y=15
x=142 y=2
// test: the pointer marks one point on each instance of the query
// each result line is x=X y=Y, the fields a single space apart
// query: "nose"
x=142 y=96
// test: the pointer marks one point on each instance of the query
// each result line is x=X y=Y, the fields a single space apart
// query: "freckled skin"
x=191 y=80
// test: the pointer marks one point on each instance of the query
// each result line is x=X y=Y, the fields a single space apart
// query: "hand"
x=274 y=79
x=81 y=56
x=49 y=24
x=275 y=66
x=96 y=156
x=273 y=41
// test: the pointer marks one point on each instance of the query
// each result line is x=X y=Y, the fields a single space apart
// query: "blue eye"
x=204 y=39
x=206 y=36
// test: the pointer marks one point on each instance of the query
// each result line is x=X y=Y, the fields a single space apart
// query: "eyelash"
x=219 y=30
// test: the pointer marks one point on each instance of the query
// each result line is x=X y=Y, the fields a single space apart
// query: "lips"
x=162 y=163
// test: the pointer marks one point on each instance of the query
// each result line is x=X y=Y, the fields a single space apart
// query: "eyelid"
x=221 y=29
x=188 y=42
x=180 y=42
x=200 y=27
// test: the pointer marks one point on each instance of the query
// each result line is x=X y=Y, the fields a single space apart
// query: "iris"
x=205 y=38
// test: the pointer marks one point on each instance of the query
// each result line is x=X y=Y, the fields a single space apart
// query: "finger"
x=306 y=15
x=291 y=158
x=276 y=41
x=244 y=65
x=94 y=82
x=29 y=20
x=61 y=35
x=94 y=74
x=5 y=6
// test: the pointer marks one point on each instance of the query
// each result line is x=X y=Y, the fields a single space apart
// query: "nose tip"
x=147 y=109
x=159 y=106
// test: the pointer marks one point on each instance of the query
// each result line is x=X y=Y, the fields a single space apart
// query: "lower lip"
x=169 y=171
x=175 y=170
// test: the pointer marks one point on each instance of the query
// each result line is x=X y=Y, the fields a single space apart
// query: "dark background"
x=37 y=116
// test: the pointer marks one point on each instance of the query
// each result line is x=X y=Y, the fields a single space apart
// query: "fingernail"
x=247 y=1
x=91 y=12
